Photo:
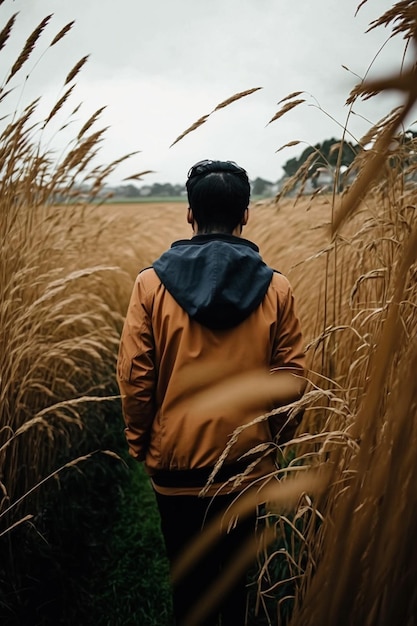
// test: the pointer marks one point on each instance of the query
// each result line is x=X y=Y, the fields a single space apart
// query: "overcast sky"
x=159 y=65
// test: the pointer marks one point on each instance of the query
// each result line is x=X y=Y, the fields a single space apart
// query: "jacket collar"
x=199 y=240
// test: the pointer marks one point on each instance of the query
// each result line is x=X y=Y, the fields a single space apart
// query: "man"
x=208 y=310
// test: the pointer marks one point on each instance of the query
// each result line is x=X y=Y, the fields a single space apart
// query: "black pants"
x=182 y=519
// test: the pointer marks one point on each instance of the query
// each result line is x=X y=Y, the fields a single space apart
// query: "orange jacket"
x=166 y=357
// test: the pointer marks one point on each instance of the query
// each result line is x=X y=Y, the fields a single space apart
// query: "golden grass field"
x=286 y=233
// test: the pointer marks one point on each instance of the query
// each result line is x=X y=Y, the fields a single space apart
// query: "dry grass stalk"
x=139 y=175
x=402 y=16
x=57 y=346
x=89 y=123
x=287 y=107
x=222 y=104
x=58 y=105
x=190 y=129
x=62 y=33
x=235 y=97
x=5 y=33
x=76 y=70
x=28 y=47
x=370 y=504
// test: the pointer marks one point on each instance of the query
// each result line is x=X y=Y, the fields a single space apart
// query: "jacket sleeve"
x=136 y=372
x=288 y=356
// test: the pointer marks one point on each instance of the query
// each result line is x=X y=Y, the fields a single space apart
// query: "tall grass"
x=358 y=566
x=346 y=553
x=62 y=300
x=57 y=345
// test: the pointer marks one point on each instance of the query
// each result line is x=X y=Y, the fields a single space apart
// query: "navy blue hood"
x=218 y=279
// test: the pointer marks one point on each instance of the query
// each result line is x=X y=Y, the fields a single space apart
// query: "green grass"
x=133 y=587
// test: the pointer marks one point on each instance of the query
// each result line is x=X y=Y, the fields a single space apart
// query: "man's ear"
x=190 y=216
x=245 y=217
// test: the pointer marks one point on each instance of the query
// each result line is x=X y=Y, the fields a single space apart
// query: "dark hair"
x=218 y=194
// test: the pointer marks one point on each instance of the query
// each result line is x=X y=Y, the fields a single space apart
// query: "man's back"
x=188 y=355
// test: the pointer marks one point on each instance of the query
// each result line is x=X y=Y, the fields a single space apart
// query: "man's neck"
x=237 y=232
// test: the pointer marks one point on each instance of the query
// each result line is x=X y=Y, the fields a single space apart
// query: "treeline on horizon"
x=322 y=160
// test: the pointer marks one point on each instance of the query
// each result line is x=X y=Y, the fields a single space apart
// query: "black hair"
x=218 y=195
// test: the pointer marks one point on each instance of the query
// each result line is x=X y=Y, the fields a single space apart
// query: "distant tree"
x=130 y=191
x=327 y=154
x=291 y=166
x=126 y=191
x=260 y=186
x=166 y=190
